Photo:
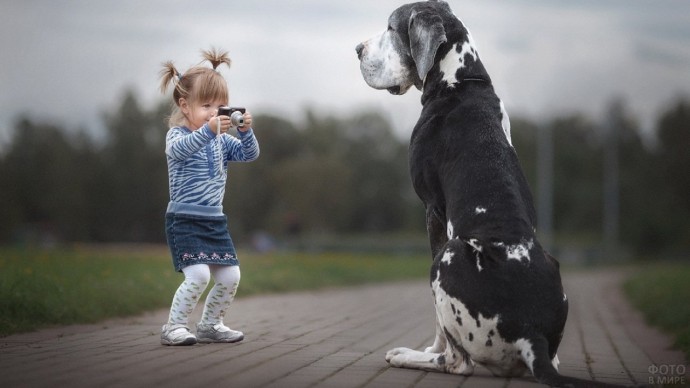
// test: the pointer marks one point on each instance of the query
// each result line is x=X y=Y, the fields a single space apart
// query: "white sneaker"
x=217 y=333
x=176 y=334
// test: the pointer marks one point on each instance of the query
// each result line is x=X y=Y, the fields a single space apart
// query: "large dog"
x=498 y=295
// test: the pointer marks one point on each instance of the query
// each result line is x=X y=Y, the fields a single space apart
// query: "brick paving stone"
x=330 y=338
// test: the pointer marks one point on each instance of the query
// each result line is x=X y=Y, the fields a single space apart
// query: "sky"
x=67 y=62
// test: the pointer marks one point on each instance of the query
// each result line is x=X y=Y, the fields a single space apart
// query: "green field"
x=662 y=293
x=39 y=288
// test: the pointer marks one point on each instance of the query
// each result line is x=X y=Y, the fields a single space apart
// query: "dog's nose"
x=359 y=49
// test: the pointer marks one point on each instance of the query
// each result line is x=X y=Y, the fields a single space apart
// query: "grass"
x=662 y=293
x=40 y=288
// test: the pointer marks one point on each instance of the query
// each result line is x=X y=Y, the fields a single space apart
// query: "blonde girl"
x=198 y=149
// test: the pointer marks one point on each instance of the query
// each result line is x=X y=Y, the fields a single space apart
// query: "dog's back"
x=463 y=165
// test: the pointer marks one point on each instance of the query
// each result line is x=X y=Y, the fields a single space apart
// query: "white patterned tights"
x=196 y=279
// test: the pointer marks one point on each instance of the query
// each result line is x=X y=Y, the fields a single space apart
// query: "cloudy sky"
x=69 y=61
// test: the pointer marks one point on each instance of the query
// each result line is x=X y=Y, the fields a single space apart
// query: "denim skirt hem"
x=196 y=239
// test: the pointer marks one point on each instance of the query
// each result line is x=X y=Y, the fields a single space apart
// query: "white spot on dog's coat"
x=525 y=348
x=449 y=65
x=449 y=230
x=479 y=210
x=454 y=60
x=447 y=257
x=505 y=123
x=474 y=244
x=517 y=251
x=468 y=48
x=478 y=249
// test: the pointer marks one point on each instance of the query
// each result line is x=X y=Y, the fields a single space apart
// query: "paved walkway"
x=333 y=338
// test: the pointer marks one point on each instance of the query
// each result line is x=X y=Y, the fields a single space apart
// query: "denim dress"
x=196 y=239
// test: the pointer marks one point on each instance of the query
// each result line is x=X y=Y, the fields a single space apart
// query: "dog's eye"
x=390 y=28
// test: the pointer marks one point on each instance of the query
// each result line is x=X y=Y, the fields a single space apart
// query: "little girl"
x=198 y=149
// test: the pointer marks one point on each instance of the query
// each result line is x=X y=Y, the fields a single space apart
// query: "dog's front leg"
x=440 y=341
x=449 y=361
x=438 y=237
x=436 y=230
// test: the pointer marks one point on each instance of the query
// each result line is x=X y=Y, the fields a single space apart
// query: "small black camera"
x=236 y=115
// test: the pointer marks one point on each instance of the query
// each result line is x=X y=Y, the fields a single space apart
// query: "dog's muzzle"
x=394 y=90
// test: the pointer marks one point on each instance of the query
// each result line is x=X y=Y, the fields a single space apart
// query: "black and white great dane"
x=498 y=295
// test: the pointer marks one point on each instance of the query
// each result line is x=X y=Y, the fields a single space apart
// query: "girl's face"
x=198 y=114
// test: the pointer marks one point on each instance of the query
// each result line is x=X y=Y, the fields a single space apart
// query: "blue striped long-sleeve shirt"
x=198 y=167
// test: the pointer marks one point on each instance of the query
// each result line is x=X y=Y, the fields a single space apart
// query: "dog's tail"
x=545 y=372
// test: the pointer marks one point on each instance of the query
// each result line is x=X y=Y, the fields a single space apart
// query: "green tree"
x=43 y=175
x=381 y=188
x=672 y=168
x=635 y=167
x=253 y=200
x=132 y=193
x=524 y=139
x=577 y=177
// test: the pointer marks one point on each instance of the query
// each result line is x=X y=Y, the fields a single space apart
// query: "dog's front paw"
x=396 y=356
x=435 y=349
x=440 y=343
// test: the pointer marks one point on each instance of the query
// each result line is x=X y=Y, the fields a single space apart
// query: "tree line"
x=340 y=175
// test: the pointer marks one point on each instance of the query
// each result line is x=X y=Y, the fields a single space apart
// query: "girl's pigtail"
x=168 y=74
x=216 y=57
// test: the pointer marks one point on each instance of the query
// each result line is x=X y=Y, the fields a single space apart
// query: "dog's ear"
x=426 y=35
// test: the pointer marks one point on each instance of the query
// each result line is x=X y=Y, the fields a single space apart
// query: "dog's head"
x=402 y=55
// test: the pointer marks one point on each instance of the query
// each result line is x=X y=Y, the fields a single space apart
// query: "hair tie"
x=179 y=77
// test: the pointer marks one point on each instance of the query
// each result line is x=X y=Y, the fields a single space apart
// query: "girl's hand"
x=247 y=122
x=219 y=124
